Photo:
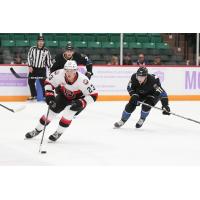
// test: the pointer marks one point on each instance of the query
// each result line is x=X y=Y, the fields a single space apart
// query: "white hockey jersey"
x=80 y=88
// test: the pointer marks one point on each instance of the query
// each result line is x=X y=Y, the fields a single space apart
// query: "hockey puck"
x=43 y=152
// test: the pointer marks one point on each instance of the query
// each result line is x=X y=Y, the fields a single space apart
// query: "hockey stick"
x=45 y=125
x=13 y=110
x=193 y=120
x=25 y=77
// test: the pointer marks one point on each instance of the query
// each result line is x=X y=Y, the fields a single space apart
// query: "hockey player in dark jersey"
x=146 y=88
x=70 y=54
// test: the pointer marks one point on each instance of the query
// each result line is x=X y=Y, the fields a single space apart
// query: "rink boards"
x=180 y=82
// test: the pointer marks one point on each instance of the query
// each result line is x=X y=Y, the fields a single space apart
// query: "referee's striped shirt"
x=39 y=58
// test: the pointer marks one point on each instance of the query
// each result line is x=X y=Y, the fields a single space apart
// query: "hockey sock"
x=63 y=124
x=125 y=116
x=144 y=114
x=42 y=120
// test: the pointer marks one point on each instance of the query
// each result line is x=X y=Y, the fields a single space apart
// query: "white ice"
x=91 y=139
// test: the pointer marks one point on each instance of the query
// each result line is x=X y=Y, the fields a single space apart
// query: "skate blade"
x=50 y=141
x=116 y=127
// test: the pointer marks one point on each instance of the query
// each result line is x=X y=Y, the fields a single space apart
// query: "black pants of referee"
x=37 y=72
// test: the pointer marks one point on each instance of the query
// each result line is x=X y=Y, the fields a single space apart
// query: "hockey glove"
x=134 y=99
x=50 y=99
x=166 y=110
x=78 y=104
x=58 y=89
x=89 y=74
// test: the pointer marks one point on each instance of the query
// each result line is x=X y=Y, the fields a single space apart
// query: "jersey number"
x=91 y=88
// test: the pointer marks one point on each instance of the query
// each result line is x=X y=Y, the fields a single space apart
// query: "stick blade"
x=19 y=109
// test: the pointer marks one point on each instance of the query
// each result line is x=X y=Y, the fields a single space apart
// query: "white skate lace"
x=33 y=133
x=141 y=121
x=56 y=134
x=121 y=123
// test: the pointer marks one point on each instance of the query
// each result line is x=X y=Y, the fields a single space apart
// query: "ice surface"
x=91 y=139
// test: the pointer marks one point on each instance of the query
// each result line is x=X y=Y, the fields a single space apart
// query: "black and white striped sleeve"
x=48 y=60
x=30 y=56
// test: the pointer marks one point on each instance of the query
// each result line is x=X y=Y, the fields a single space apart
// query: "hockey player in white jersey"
x=76 y=92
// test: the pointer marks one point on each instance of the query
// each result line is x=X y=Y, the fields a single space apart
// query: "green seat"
x=4 y=36
x=108 y=45
x=33 y=43
x=18 y=36
x=135 y=45
x=156 y=39
x=63 y=44
x=141 y=34
x=76 y=37
x=142 y=39
x=50 y=43
x=102 y=37
x=94 y=44
x=89 y=38
x=61 y=38
x=22 y=43
x=125 y=44
x=154 y=34
x=48 y=37
x=129 y=38
x=7 y=43
x=115 y=37
x=80 y=44
x=148 y=45
x=162 y=46
x=32 y=36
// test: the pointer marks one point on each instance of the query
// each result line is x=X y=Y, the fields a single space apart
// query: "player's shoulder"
x=76 y=54
x=133 y=77
x=59 y=55
x=33 y=47
x=153 y=77
x=46 y=49
x=82 y=79
x=58 y=73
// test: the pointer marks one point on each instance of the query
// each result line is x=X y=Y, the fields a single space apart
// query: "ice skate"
x=32 y=134
x=54 y=136
x=118 y=124
x=139 y=123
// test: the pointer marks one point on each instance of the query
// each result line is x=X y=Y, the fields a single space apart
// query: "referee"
x=39 y=58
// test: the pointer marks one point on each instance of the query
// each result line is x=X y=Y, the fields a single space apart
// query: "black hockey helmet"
x=40 y=38
x=69 y=46
x=142 y=71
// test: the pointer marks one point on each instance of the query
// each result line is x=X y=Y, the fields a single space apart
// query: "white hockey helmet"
x=71 y=64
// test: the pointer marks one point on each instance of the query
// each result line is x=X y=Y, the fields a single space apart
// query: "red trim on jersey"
x=84 y=103
x=94 y=94
x=65 y=121
x=77 y=92
x=45 y=119
x=47 y=94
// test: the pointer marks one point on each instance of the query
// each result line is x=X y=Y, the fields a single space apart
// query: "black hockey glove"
x=89 y=74
x=58 y=89
x=78 y=104
x=134 y=99
x=166 y=110
x=50 y=99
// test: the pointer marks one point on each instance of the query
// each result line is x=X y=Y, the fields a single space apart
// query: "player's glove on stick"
x=166 y=110
x=89 y=74
x=50 y=99
x=134 y=99
x=78 y=104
